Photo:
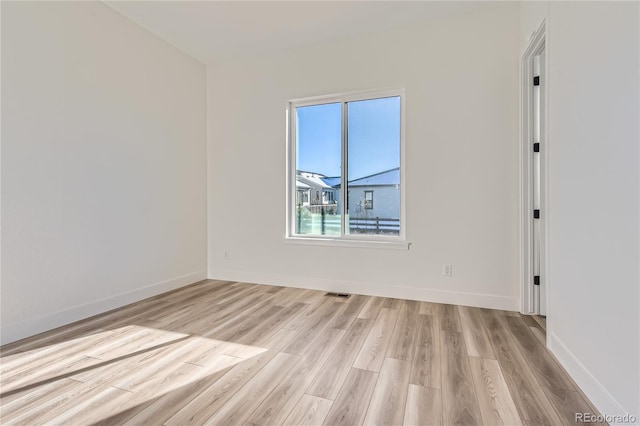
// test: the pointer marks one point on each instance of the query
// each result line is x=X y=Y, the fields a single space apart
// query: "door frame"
x=538 y=43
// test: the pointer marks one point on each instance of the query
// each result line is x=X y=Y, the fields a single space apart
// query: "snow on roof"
x=316 y=180
x=332 y=181
x=311 y=180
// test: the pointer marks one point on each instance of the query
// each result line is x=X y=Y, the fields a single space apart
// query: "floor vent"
x=343 y=295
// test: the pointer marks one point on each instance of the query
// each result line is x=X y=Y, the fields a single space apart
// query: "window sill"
x=335 y=242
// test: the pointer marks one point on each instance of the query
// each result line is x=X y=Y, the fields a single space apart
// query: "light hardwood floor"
x=240 y=354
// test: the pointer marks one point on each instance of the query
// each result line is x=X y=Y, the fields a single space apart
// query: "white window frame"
x=352 y=240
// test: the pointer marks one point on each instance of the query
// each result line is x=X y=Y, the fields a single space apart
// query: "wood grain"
x=236 y=353
x=425 y=367
x=371 y=308
x=240 y=406
x=309 y=411
x=275 y=407
x=548 y=371
x=390 y=394
x=375 y=346
x=350 y=407
x=569 y=403
x=449 y=318
x=428 y=308
x=403 y=339
x=532 y=404
x=459 y=403
x=496 y=405
x=540 y=335
x=424 y=407
x=336 y=368
x=345 y=318
x=475 y=337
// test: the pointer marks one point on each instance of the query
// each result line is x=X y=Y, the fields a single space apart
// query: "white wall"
x=593 y=163
x=461 y=80
x=103 y=164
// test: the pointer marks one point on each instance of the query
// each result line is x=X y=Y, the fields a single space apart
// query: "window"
x=368 y=200
x=345 y=148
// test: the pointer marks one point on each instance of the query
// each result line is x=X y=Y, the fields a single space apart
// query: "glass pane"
x=318 y=151
x=373 y=173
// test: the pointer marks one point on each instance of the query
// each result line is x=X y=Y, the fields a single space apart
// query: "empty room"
x=319 y=212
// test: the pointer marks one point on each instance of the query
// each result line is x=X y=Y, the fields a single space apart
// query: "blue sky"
x=374 y=137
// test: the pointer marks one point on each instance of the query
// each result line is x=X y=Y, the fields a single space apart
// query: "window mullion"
x=343 y=173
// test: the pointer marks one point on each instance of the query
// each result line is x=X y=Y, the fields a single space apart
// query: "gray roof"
x=332 y=181
x=386 y=178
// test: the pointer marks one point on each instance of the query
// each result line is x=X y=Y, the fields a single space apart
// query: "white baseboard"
x=592 y=388
x=356 y=287
x=16 y=331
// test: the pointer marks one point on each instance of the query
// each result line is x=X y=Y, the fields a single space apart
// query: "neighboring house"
x=373 y=201
x=315 y=189
x=375 y=196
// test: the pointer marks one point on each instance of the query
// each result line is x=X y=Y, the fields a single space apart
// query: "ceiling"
x=209 y=29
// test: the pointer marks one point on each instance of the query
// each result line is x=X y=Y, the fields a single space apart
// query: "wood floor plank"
x=371 y=308
x=315 y=326
x=425 y=367
x=34 y=360
x=424 y=407
x=548 y=371
x=147 y=339
x=459 y=402
x=350 y=407
x=448 y=315
x=508 y=313
x=375 y=346
x=56 y=371
x=161 y=408
x=309 y=411
x=337 y=367
x=165 y=393
x=310 y=314
x=213 y=316
x=403 y=340
x=206 y=404
x=14 y=407
x=242 y=404
x=429 y=308
x=37 y=360
x=475 y=336
x=345 y=318
x=391 y=303
x=91 y=405
x=569 y=403
x=390 y=394
x=532 y=404
x=276 y=406
x=159 y=364
x=496 y=405
x=239 y=333
x=268 y=325
x=540 y=335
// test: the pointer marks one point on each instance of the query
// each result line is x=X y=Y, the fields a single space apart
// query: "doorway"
x=535 y=292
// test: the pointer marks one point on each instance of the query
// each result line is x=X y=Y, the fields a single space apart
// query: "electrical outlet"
x=227 y=255
x=447 y=270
